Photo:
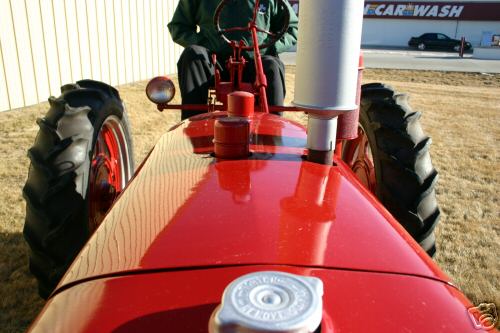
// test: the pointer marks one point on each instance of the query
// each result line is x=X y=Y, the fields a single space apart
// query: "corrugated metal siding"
x=47 y=43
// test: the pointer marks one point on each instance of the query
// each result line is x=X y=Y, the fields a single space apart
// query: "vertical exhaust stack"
x=327 y=68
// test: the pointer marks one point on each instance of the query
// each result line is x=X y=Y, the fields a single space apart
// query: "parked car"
x=436 y=41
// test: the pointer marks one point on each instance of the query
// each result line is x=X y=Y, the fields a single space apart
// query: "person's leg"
x=275 y=74
x=195 y=74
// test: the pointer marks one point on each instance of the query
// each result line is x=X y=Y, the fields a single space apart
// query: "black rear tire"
x=56 y=191
x=405 y=177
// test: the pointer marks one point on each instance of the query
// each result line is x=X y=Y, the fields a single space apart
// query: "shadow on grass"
x=19 y=300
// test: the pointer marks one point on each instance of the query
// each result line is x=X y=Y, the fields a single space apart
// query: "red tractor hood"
x=187 y=210
x=183 y=301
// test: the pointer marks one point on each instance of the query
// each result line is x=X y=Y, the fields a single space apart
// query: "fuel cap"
x=270 y=302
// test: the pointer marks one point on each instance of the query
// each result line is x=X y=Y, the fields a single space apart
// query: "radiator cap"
x=270 y=302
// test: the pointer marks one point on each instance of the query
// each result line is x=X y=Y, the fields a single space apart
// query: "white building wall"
x=395 y=32
x=47 y=43
x=473 y=30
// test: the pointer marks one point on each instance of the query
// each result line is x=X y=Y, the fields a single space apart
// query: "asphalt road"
x=419 y=60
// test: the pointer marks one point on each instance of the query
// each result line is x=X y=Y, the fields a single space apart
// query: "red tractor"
x=240 y=220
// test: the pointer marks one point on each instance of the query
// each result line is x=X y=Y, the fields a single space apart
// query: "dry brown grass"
x=460 y=112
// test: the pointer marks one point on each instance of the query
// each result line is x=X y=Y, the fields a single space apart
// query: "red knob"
x=240 y=104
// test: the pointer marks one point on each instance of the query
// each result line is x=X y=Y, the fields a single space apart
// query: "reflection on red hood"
x=186 y=209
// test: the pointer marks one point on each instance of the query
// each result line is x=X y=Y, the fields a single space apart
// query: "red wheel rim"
x=358 y=155
x=109 y=170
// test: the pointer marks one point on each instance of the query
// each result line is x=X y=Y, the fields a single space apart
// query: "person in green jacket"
x=192 y=27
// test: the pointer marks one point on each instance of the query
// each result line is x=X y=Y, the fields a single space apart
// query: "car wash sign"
x=433 y=10
x=465 y=11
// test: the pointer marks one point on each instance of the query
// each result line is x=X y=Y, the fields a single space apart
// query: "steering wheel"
x=275 y=36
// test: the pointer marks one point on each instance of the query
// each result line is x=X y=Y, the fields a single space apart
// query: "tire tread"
x=55 y=225
x=406 y=179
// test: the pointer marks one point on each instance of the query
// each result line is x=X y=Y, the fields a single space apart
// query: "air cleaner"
x=327 y=69
x=270 y=302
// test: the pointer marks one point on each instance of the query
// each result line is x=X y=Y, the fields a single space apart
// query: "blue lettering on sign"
x=409 y=10
x=371 y=9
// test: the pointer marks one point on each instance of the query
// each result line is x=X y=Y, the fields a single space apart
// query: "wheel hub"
x=359 y=157
x=105 y=179
x=105 y=176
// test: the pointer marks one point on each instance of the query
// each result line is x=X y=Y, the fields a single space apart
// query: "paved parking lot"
x=419 y=60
